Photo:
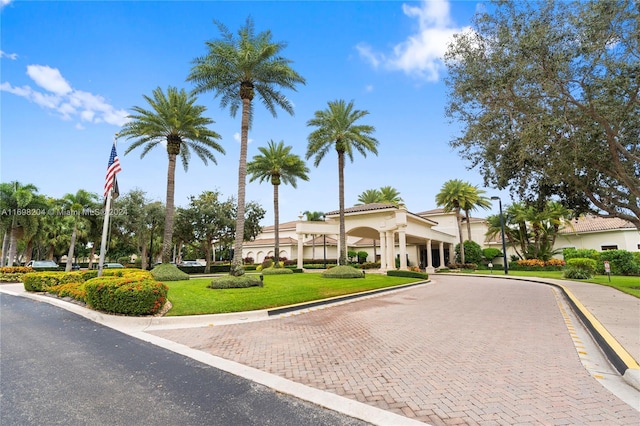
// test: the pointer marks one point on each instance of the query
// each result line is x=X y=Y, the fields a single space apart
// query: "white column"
x=430 y=269
x=441 y=247
x=402 y=247
x=300 y=251
x=391 y=246
x=452 y=253
x=383 y=251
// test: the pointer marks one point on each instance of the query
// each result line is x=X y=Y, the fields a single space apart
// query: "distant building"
x=394 y=236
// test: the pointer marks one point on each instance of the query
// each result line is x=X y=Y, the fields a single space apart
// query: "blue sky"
x=72 y=70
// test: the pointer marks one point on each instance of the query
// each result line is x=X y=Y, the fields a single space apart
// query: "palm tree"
x=336 y=128
x=176 y=120
x=236 y=69
x=19 y=202
x=475 y=199
x=278 y=165
x=77 y=204
x=313 y=217
x=453 y=197
x=369 y=196
x=390 y=195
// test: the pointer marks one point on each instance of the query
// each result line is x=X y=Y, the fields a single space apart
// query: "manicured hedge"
x=410 y=274
x=133 y=294
x=343 y=271
x=43 y=281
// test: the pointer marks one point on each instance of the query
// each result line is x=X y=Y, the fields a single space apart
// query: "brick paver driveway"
x=456 y=351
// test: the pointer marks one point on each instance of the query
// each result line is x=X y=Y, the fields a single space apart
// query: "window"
x=613 y=247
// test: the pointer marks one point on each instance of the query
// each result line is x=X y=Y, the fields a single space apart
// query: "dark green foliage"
x=577 y=274
x=622 y=262
x=370 y=265
x=410 y=274
x=230 y=281
x=362 y=256
x=491 y=253
x=472 y=252
x=343 y=271
x=570 y=253
x=134 y=294
x=168 y=272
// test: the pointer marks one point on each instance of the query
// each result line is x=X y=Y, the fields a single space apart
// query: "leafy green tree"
x=173 y=119
x=454 y=196
x=76 y=206
x=337 y=128
x=548 y=93
x=236 y=69
x=16 y=200
x=278 y=165
x=472 y=252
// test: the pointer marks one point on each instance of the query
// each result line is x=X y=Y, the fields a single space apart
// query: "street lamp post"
x=504 y=246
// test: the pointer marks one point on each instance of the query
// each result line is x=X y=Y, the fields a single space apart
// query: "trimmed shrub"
x=343 y=271
x=129 y=295
x=410 y=274
x=472 y=252
x=577 y=273
x=588 y=265
x=230 y=281
x=44 y=281
x=491 y=253
x=168 y=272
x=362 y=256
x=276 y=271
x=370 y=265
x=318 y=265
x=73 y=290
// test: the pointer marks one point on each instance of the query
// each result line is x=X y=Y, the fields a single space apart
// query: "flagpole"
x=105 y=224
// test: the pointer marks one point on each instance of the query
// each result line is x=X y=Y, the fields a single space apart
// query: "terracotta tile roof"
x=270 y=241
x=320 y=241
x=283 y=226
x=595 y=224
x=363 y=208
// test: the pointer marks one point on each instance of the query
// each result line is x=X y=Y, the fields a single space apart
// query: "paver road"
x=484 y=351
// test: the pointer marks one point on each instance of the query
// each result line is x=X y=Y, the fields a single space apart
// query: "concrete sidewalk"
x=450 y=352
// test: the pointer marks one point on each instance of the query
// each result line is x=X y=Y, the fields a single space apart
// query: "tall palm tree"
x=175 y=119
x=313 y=217
x=475 y=199
x=336 y=128
x=453 y=197
x=17 y=199
x=278 y=165
x=236 y=69
x=76 y=204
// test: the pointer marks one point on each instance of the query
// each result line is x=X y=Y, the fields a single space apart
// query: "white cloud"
x=421 y=54
x=61 y=98
x=12 y=56
x=368 y=88
x=236 y=137
x=3 y=3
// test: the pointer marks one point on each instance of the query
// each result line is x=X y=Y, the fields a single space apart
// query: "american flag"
x=112 y=169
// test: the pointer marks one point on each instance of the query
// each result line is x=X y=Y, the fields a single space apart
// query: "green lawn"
x=629 y=285
x=192 y=297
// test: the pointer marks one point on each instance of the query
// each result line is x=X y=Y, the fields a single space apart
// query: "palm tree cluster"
x=385 y=195
x=530 y=230
x=236 y=68
x=32 y=223
x=458 y=196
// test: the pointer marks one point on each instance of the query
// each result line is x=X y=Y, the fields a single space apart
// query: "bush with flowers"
x=537 y=265
x=131 y=294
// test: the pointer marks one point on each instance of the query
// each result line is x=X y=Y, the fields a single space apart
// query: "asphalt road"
x=59 y=368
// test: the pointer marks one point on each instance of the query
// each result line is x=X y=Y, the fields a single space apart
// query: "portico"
x=403 y=237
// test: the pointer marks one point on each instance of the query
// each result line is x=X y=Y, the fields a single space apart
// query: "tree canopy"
x=547 y=93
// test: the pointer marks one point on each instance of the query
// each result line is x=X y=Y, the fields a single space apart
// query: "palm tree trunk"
x=343 y=236
x=169 y=213
x=276 y=221
x=72 y=248
x=5 y=247
x=13 y=242
x=468 y=218
x=459 y=217
x=236 y=264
